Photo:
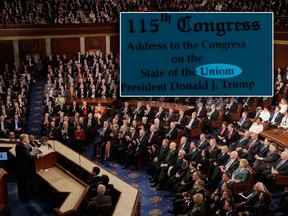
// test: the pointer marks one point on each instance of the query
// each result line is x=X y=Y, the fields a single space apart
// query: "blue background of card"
x=255 y=60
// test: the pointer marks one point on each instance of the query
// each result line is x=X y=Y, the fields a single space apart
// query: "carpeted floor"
x=35 y=109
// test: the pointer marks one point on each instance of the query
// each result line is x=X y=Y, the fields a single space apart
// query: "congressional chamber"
x=59 y=85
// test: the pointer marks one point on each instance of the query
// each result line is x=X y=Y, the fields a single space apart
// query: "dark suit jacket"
x=171 y=117
x=233 y=138
x=58 y=109
x=215 y=115
x=102 y=199
x=283 y=169
x=195 y=155
x=160 y=130
x=24 y=160
x=271 y=158
x=12 y=125
x=150 y=115
x=232 y=108
x=278 y=118
x=72 y=110
x=154 y=139
x=253 y=151
x=88 y=109
x=202 y=113
x=182 y=121
x=49 y=99
x=203 y=146
x=195 y=123
x=171 y=158
x=185 y=147
x=173 y=134
x=215 y=152
x=245 y=124
x=142 y=146
x=221 y=159
x=233 y=166
x=263 y=150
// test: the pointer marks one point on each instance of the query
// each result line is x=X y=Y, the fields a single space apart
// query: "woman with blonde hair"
x=241 y=173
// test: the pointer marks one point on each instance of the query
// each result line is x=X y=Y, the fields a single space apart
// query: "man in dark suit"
x=141 y=147
x=231 y=136
x=200 y=110
x=170 y=116
x=241 y=144
x=213 y=149
x=229 y=166
x=138 y=112
x=182 y=119
x=16 y=125
x=25 y=168
x=49 y=108
x=172 y=132
x=275 y=118
x=159 y=129
x=104 y=137
x=194 y=152
x=152 y=136
x=95 y=178
x=47 y=98
x=184 y=144
x=4 y=127
x=253 y=148
x=279 y=167
x=61 y=108
x=191 y=123
x=213 y=114
x=262 y=163
x=202 y=143
x=244 y=122
x=159 y=159
x=126 y=110
x=169 y=160
x=230 y=108
x=149 y=113
x=85 y=109
x=252 y=198
x=100 y=200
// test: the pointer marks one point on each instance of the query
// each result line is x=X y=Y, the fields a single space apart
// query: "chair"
x=280 y=180
x=217 y=122
x=179 y=136
x=95 y=208
x=236 y=115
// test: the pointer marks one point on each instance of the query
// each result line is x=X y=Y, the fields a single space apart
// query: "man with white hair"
x=101 y=200
x=229 y=166
x=279 y=167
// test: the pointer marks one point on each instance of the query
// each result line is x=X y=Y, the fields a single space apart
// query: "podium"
x=3 y=190
x=48 y=160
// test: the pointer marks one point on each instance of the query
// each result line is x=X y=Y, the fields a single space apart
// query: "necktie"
x=85 y=111
x=230 y=134
x=190 y=123
x=251 y=144
x=150 y=137
x=228 y=164
x=280 y=164
x=199 y=110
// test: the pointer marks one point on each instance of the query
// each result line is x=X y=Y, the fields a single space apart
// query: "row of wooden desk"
x=109 y=102
x=165 y=105
x=63 y=181
x=279 y=136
